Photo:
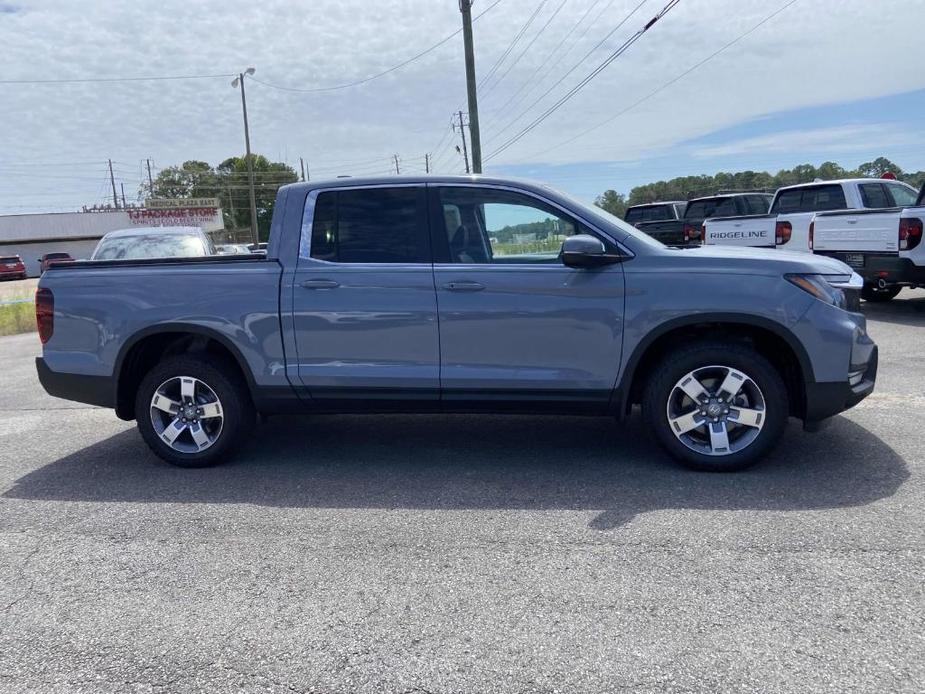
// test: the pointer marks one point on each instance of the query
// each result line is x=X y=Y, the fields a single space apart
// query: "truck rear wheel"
x=193 y=412
x=877 y=295
x=717 y=407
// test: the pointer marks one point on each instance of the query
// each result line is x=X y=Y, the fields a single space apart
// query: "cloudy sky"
x=823 y=79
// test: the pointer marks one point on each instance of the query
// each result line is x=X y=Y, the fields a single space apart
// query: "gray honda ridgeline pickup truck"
x=462 y=294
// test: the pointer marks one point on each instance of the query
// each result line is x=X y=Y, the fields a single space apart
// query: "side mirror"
x=585 y=251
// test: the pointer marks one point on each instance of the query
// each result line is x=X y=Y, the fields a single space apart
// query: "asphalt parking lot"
x=464 y=554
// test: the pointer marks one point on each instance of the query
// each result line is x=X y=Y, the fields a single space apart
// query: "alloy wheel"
x=716 y=410
x=186 y=414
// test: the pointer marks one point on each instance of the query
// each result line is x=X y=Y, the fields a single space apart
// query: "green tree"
x=685 y=187
x=229 y=183
x=613 y=202
x=878 y=167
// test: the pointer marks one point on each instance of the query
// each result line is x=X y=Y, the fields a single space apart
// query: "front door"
x=515 y=323
x=364 y=307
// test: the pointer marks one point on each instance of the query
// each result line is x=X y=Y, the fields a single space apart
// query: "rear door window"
x=822 y=198
x=875 y=196
x=787 y=201
x=370 y=225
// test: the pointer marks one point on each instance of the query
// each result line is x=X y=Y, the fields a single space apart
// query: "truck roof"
x=395 y=179
x=730 y=195
x=840 y=181
x=658 y=202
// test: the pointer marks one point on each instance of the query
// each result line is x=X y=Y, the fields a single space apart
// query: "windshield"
x=609 y=221
x=150 y=246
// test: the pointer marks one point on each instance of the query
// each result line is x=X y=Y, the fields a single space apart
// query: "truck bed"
x=101 y=306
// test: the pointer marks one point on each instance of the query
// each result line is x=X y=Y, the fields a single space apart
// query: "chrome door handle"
x=320 y=284
x=464 y=286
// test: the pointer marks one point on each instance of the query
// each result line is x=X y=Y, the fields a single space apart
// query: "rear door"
x=515 y=323
x=364 y=307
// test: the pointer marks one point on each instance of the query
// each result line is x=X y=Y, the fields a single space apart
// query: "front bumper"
x=92 y=390
x=824 y=400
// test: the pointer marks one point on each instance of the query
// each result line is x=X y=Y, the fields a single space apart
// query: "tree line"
x=686 y=187
x=228 y=182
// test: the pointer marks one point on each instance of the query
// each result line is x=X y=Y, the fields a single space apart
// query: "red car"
x=52 y=258
x=12 y=268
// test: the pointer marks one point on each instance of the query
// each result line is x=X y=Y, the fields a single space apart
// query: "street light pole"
x=239 y=81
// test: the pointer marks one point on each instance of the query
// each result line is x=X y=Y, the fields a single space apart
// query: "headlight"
x=838 y=290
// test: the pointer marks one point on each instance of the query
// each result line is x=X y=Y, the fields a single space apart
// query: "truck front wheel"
x=193 y=412
x=716 y=406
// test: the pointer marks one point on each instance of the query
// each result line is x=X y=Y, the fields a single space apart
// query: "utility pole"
x=122 y=185
x=302 y=165
x=239 y=81
x=426 y=163
x=112 y=179
x=465 y=6
x=462 y=131
x=150 y=180
x=395 y=157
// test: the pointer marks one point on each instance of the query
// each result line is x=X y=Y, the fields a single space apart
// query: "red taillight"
x=910 y=233
x=45 y=314
x=782 y=232
x=812 y=228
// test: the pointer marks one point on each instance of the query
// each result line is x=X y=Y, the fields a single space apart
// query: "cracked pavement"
x=464 y=553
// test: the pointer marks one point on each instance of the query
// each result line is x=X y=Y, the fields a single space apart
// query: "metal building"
x=32 y=235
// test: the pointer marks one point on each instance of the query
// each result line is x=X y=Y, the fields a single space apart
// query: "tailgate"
x=856 y=231
x=750 y=231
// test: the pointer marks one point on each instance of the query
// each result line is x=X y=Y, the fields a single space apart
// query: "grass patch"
x=17 y=318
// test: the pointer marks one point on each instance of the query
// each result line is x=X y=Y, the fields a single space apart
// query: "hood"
x=764 y=260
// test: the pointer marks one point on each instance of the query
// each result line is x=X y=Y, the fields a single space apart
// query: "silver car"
x=154 y=242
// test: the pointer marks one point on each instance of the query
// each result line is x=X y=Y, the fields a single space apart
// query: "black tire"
x=877 y=296
x=684 y=360
x=221 y=377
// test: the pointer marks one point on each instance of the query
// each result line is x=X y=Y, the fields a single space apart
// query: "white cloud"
x=838 y=139
x=816 y=52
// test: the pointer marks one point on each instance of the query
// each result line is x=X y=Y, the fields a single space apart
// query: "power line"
x=510 y=47
x=526 y=48
x=73 y=80
x=572 y=69
x=574 y=90
x=530 y=81
x=357 y=83
x=673 y=80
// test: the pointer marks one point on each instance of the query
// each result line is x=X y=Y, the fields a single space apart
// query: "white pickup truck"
x=883 y=246
x=794 y=207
